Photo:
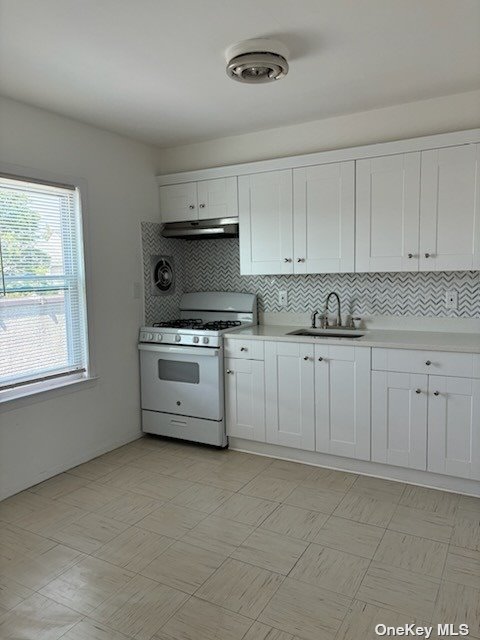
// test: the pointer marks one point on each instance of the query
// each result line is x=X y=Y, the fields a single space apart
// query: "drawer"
x=440 y=363
x=247 y=349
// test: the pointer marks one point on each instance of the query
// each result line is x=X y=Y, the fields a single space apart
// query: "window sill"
x=18 y=398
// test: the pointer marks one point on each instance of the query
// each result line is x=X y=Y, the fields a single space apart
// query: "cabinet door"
x=289 y=393
x=450 y=209
x=324 y=218
x=454 y=426
x=399 y=419
x=342 y=401
x=217 y=198
x=266 y=225
x=178 y=202
x=388 y=201
x=245 y=399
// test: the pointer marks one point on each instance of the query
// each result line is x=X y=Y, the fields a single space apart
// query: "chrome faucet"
x=339 y=315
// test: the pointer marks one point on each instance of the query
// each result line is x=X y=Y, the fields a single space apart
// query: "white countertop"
x=396 y=339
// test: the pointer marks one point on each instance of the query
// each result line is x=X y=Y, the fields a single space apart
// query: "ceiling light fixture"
x=257 y=61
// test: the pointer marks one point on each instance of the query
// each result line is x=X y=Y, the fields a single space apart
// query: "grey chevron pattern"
x=163 y=307
x=214 y=265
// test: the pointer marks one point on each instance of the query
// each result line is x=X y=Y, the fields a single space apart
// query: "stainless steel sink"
x=328 y=333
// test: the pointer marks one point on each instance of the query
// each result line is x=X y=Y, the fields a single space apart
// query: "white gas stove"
x=181 y=366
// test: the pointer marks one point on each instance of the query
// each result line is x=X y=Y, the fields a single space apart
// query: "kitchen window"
x=43 y=316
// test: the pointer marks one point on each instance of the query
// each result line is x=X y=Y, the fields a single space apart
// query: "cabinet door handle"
x=428 y=363
x=287 y=259
x=436 y=393
x=418 y=391
x=427 y=255
x=320 y=359
x=410 y=255
x=229 y=371
x=243 y=349
x=306 y=358
x=202 y=206
x=191 y=206
x=300 y=259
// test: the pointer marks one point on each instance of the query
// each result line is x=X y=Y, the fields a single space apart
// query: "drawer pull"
x=418 y=391
x=410 y=255
x=243 y=349
x=436 y=393
x=428 y=363
x=320 y=359
x=306 y=358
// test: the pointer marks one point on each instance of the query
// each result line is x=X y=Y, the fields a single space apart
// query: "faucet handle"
x=323 y=320
x=355 y=322
x=314 y=318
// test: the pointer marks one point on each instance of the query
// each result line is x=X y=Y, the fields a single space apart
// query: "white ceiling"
x=155 y=69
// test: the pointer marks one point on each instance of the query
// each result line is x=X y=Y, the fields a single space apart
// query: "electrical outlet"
x=283 y=298
x=451 y=299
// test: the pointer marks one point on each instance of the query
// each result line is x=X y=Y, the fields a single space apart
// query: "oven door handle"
x=188 y=351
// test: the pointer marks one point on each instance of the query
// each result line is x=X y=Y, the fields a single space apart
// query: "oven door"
x=186 y=381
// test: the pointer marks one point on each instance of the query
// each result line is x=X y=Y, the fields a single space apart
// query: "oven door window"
x=175 y=371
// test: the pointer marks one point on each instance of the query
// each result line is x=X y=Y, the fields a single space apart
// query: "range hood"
x=202 y=229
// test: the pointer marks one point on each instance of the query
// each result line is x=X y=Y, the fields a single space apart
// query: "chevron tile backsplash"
x=213 y=265
x=164 y=307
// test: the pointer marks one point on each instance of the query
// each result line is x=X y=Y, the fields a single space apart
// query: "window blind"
x=43 y=322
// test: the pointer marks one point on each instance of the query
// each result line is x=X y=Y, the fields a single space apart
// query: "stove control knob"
x=196 y=339
x=158 y=337
x=177 y=338
x=148 y=336
x=206 y=340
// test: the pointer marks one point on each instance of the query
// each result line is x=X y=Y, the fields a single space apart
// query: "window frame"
x=36 y=391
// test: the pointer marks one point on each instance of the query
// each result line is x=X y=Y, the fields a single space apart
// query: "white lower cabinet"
x=399 y=419
x=245 y=398
x=342 y=401
x=326 y=398
x=454 y=426
x=289 y=394
x=428 y=422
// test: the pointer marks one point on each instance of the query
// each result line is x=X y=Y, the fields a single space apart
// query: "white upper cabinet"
x=217 y=198
x=178 y=202
x=419 y=211
x=411 y=205
x=289 y=394
x=454 y=426
x=324 y=218
x=342 y=400
x=265 y=220
x=450 y=209
x=202 y=200
x=387 y=219
x=300 y=222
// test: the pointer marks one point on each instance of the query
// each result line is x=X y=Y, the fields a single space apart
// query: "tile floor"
x=160 y=540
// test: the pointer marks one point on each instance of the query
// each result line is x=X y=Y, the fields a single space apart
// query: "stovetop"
x=198 y=324
x=190 y=332
x=204 y=317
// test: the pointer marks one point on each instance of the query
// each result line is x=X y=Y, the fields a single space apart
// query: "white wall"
x=49 y=435
x=427 y=117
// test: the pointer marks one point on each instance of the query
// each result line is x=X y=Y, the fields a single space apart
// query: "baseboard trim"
x=74 y=462
x=362 y=467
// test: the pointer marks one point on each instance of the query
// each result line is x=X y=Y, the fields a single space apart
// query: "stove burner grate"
x=197 y=323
